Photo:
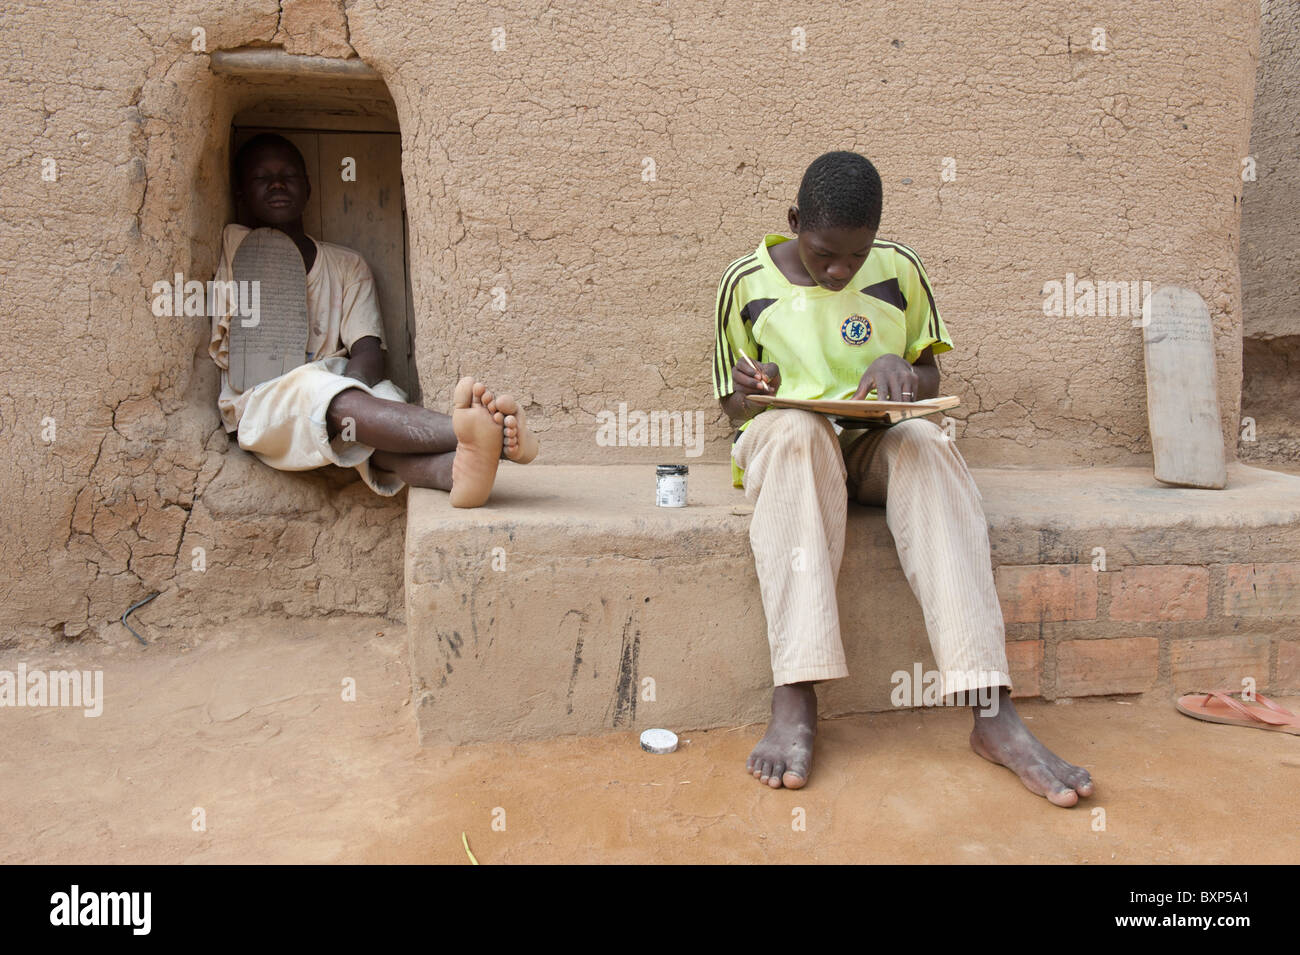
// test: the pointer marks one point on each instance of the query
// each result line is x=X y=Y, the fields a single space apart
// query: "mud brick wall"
x=1270 y=247
x=600 y=162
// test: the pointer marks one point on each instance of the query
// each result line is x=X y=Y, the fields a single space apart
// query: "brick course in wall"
x=1073 y=630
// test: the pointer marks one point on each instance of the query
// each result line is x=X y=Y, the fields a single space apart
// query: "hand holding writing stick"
x=762 y=378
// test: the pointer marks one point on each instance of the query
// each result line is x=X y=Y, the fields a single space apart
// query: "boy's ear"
x=793 y=218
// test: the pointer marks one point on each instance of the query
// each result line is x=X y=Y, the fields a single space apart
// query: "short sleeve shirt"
x=824 y=341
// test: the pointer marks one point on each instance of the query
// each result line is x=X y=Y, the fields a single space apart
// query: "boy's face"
x=274 y=186
x=833 y=255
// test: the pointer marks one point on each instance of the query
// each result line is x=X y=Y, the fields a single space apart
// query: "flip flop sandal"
x=1214 y=707
x=277 y=343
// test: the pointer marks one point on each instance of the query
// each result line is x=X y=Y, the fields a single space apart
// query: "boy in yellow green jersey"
x=839 y=313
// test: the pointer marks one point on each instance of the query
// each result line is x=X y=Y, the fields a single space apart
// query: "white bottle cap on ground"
x=659 y=741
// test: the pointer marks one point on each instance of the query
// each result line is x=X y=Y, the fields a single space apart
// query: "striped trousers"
x=799 y=475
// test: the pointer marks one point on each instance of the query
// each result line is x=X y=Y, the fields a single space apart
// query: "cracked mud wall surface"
x=526 y=171
x=1270 y=246
x=1115 y=166
x=140 y=490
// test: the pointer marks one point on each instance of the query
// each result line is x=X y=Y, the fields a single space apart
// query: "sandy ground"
x=249 y=725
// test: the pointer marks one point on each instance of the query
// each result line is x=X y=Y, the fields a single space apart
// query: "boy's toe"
x=1081 y=781
x=1064 y=796
x=1056 y=791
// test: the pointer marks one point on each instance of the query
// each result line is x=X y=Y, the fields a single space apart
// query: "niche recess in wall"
x=337 y=110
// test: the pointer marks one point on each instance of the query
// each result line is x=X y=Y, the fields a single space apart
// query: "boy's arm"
x=362 y=329
x=733 y=376
x=366 y=361
x=927 y=374
x=926 y=330
x=746 y=383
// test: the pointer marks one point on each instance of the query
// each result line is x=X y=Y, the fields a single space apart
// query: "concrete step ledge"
x=572 y=604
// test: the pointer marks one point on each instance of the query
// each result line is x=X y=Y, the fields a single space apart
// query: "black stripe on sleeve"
x=723 y=357
x=719 y=332
x=920 y=273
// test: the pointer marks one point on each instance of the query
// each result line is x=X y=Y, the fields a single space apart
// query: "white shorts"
x=283 y=422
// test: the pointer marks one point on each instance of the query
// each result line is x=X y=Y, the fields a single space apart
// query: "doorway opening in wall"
x=345 y=125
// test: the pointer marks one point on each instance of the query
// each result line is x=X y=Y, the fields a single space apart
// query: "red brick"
x=1025 y=657
x=1288 y=668
x=1262 y=590
x=1047 y=592
x=1160 y=592
x=1096 y=667
x=1218 y=663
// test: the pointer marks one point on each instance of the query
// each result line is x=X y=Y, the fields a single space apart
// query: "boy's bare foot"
x=1005 y=739
x=520 y=444
x=478 y=445
x=783 y=757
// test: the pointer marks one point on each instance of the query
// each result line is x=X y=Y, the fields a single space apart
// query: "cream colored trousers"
x=796 y=470
x=282 y=421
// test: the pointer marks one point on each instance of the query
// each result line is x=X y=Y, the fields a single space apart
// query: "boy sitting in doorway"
x=339 y=408
x=836 y=314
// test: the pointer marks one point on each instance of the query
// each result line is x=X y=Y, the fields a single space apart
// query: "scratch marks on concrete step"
x=625 y=689
x=579 y=621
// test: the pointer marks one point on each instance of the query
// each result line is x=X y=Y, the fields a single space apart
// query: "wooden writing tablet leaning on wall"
x=1182 y=398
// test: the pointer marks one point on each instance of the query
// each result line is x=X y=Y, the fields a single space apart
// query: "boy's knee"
x=341 y=406
x=802 y=429
x=919 y=435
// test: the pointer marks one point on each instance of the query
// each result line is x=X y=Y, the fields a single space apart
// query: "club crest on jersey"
x=856 y=330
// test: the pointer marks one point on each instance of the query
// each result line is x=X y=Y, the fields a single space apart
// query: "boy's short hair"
x=840 y=190
x=261 y=141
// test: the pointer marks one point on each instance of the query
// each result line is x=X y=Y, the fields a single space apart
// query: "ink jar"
x=670 y=485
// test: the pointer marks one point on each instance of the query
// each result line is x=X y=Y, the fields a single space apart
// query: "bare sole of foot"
x=783 y=757
x=478 y=445
x=521 y=445
x=1004 y=739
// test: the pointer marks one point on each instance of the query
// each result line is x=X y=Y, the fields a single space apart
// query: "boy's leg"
x=417 y=470
x=410 y=429
x=933 y=509
x=794 y=474
x=469 y=436
x=390 y=425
